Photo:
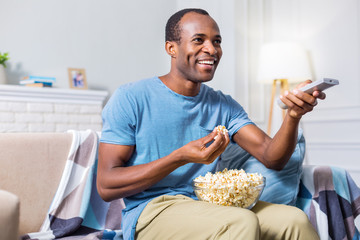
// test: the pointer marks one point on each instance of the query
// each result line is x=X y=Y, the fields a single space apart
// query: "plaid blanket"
x=77 y=211
x=331 y=199
x=327 y=195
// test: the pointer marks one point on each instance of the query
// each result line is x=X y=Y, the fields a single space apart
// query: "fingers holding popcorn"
x=221 y=129
x=205 y=150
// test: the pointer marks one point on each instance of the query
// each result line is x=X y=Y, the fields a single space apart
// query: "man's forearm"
x=119 y=182
x=283 y=143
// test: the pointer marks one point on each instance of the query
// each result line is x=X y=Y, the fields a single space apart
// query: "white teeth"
x=206 y=62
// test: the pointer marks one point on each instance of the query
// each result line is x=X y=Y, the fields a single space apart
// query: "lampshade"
x=283 y=60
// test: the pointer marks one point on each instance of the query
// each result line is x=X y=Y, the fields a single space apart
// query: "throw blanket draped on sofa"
x=331 y=199
x=327 y=195
x=77 y=211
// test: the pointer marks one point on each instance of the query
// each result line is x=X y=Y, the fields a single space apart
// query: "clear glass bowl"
x=242 y=195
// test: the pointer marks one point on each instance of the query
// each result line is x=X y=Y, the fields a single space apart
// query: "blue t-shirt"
x=158 y=121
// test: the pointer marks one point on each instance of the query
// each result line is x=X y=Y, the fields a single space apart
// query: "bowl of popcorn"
x=230 y=188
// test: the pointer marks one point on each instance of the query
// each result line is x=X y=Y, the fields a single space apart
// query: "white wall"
x=115 y=41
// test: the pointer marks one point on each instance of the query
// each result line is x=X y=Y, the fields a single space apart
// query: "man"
x=158 y=136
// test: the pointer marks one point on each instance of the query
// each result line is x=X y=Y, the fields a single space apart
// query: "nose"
x=209 y=48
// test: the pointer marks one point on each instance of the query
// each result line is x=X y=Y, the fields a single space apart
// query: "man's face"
x=199 y=50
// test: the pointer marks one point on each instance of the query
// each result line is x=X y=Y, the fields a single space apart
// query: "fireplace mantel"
x=54 y=95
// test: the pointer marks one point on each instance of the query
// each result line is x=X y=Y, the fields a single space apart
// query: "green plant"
x=3 y=58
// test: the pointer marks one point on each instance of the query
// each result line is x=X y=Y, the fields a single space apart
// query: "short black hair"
x=172 y=29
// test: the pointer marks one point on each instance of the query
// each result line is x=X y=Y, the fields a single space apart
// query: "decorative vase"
x=2 y=75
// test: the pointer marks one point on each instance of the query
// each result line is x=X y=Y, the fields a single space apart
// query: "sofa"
x=41 y=192
x=30 y=171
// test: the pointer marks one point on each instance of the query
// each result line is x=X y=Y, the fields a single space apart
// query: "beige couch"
x=31 y=165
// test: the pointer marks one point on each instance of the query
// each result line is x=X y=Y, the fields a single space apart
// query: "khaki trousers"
x=180 y=217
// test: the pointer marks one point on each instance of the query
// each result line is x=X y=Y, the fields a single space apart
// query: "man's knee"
x=243 y=223
x=300 y=226
x=297 y=218
x=242 y=216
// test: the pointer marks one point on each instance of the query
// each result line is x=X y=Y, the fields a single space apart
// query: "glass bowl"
x=241 y=194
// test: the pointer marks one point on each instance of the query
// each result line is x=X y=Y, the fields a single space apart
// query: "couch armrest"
x=9 y=215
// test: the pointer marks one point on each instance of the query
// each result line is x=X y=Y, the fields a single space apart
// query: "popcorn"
x=221 y=129
x=229 y=188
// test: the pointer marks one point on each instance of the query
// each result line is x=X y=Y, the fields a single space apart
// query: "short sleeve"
x=238 y=117
x=119 y=119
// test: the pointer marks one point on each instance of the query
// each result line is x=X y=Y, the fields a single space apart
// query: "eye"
x=217 y=42
x=198 y=40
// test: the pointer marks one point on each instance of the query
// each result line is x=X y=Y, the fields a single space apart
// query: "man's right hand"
x=204 y=150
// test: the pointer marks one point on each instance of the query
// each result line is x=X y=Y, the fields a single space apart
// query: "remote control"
x=319 y=85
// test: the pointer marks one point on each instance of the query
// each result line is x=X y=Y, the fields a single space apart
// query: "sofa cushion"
x=281 y=186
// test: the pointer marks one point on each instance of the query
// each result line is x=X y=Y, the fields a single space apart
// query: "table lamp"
x=284 y=63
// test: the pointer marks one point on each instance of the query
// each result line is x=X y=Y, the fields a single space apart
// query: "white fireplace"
x=30 y=109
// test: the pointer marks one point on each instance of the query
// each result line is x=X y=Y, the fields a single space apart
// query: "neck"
x=181 y=86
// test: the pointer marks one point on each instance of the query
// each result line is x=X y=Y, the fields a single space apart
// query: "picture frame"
x=77 y=78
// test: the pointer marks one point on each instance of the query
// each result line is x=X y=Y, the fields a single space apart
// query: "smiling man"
x=195 y=50
x=158 y=135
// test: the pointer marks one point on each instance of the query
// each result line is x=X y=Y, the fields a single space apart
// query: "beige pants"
x=180 y=217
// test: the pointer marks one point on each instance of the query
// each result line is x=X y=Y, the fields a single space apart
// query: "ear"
x=170 y=48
